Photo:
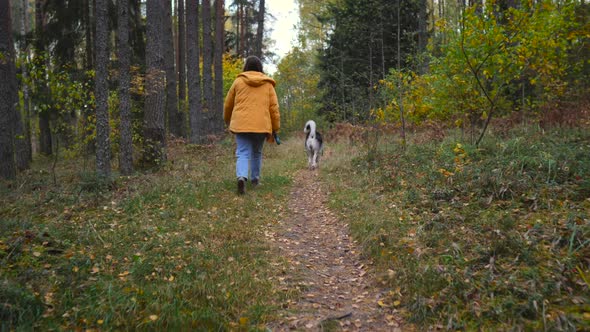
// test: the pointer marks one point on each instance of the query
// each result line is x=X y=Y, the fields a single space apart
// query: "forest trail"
x=337 y=288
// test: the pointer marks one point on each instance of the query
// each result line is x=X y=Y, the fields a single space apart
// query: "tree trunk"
x=194 y=86
x=123 y=49
x=218 y=61
x=25 y=156
x=154 y=124
x=238 y=25
x=244 y=49
x=400 y=79
x=208 y=113
x=422 y=35
x=89 y=63
x=137 y=33
x=45 y=144
x=260 y=29
x=8 y=94
x=181 y=67
x=101 y=90
x=168 y=49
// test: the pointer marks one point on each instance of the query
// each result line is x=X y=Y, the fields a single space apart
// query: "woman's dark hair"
x=253 y=64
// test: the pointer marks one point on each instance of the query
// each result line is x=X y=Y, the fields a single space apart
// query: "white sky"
x=284 y=33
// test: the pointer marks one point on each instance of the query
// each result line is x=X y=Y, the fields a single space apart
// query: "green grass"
x=489 y=238
x=495 y=238
x=171 y=250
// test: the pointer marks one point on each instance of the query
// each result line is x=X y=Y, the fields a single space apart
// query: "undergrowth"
x=489 y=238
x=172 y=250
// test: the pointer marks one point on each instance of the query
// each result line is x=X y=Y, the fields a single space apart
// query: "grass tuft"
x=489 y=238
x=176 y=249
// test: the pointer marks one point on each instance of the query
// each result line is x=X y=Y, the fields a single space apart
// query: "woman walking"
x=251 y=111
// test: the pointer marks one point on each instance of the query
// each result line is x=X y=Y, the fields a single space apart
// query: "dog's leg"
x=314 y=162
x=309 y=157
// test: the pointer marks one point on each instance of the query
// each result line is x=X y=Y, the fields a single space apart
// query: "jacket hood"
x=254 y=78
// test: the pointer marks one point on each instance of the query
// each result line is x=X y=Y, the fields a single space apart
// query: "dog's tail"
x=310 y=128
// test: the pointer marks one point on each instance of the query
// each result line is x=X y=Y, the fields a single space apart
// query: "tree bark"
x=238 y=25
x=89 y=57
x=101 y=90
x=171 y=86
x=208 y=113
x=45 y=142
x=26 y=92
x=137 y=33
x=181 y=66
x=243 y=47
x=194 y=86
x=154 y=124
x=23 y=132
x=8 y=94
x=124 y=56
x=260 y=29
x=218 y=61
x=400 y=79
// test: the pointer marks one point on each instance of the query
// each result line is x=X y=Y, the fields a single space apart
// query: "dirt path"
x=337 y=289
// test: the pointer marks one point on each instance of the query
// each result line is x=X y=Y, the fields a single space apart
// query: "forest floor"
x=338 y=288
x=434 y=235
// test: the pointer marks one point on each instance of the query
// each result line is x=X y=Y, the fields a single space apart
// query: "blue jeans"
x=249 y=154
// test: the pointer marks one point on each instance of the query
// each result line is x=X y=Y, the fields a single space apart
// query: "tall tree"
x=218 y=61
x=174 y=123
x=101 y=90
x=45 y=142
x=244 y=18
x=87 y=19
x=207 y=60
x=348 y=65
x=154 y=131
x=194 y=77
x=260 y=29
x=8 y=93
x=124 y=56
x=21 y=142
x=181 y=65
x=137 y=33
x=25 y=73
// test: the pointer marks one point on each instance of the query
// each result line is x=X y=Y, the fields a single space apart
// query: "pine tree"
x=193 y=73
x=123 y=49
x=207 y=74
x=218 y=61
x=45 y=141
x=154 y=132
x=175 y=126
x=8 y=94
x=181 y=66
x=260 y=29
x=101 y=91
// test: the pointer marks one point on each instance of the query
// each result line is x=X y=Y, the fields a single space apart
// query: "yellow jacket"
x=251 y=105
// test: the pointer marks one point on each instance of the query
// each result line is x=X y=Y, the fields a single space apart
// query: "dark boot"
x=241 y=186
x=254 y=182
